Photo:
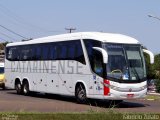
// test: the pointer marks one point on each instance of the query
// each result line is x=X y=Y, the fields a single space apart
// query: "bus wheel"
x=3 y=87
x=18 y=87
x=25 y=88
x=80 y=94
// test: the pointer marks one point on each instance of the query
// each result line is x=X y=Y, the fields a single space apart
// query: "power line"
x=15 y=19
x=2 y=39
x=21 y=21
x=14 y=16
x=158 y=18
x=7 y=36
x=13 y=32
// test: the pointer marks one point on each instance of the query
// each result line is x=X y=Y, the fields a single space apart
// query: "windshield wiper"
x=135 y=73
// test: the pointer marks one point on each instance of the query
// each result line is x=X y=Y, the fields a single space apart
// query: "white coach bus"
x=84 y=65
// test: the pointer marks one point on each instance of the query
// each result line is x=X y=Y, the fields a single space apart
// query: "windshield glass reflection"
x=125 y=62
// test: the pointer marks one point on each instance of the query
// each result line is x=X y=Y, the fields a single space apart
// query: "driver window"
x=97 y=63
x=116 y=67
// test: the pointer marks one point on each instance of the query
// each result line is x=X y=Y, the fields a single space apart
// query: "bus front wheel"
x=3 y=87
x=80 y=94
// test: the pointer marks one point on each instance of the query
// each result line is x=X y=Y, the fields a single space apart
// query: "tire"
x=25 y=88
x=80 y=94
x=3 y=87
x=18 y=87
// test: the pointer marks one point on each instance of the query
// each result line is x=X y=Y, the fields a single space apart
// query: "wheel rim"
x=81 y=94
x=25 y=88
x=18 y=87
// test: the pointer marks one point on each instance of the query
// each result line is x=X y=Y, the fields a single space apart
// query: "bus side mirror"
x=104 y=54
x=151 y=55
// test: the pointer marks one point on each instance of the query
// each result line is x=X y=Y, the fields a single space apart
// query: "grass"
x=59 y=116
x=153 y=97
x=78 y=116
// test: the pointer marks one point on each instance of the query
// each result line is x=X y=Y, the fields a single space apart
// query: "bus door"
x=97 y=77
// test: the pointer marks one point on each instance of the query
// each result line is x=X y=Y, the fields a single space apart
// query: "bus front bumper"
x=116 y=95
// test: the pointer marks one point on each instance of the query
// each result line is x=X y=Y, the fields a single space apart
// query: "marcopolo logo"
x=130 y=90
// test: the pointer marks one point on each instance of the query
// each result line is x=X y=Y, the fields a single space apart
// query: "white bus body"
x=85 y=65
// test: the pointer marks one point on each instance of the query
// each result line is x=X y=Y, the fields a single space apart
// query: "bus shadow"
x=116 y=104
x=6 y=89
x=46 y=96
x=54 y=97
x=90 y=102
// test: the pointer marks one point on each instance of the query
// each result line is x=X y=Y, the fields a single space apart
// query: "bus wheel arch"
x=18 y=86
x=80 y=93
x=25 y=87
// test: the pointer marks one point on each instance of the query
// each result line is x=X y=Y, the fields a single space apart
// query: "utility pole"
x=154 y=17
x=70 y=29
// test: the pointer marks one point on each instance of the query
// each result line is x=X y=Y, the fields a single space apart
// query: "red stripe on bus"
x=106 y=89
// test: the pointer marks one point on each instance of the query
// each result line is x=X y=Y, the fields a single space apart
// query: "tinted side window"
x=71 y=52
x=12 y=53
x=33 y=52
x=53 y=53
x=25 y=52
x=37 y=52
x=8 y=53
x=95 y=57
x=67 y=50
x=91 y=43
x=61 y=50
x=79 y=56
x=97 y=63
x=45 y=51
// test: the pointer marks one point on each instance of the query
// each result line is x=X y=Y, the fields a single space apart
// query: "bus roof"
x=103 y=37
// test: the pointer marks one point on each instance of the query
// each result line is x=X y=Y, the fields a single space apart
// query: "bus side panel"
x=9 y=76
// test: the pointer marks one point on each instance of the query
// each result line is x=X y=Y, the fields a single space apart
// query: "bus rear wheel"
x=18 y=87
x=3 y=87
x=80 y=94
x=25 y=88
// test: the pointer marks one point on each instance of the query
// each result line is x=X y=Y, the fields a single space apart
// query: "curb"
x=149 y=93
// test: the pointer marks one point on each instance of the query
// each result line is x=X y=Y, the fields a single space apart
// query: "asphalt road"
x=11 y=102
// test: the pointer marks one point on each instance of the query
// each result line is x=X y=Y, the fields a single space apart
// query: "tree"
x=3 y=45
x=149 y=67
x=157 y=65
x=156 y=68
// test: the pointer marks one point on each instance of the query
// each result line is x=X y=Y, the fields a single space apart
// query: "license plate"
x=130 y=95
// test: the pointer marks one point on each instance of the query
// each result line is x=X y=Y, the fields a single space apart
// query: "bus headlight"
x=128 y=89
x=111 y=86
x=114 y=87
x=144 y=87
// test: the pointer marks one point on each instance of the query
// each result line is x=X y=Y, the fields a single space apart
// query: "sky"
x=41 y=18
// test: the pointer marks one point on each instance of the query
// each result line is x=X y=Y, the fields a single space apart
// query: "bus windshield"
x=125 y=62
